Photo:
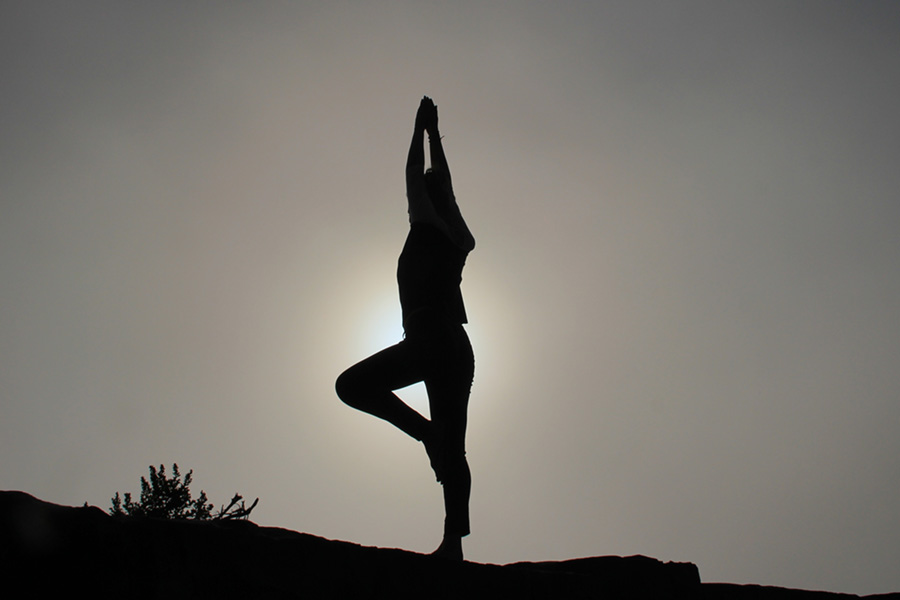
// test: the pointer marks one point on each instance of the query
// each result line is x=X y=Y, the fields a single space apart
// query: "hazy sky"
x=684 y=298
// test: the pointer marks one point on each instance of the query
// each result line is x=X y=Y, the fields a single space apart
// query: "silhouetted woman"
x=435 y=348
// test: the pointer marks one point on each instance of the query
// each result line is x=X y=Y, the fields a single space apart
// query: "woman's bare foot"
x=450 y=548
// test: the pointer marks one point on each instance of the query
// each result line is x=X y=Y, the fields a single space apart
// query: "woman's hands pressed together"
x=426 y=116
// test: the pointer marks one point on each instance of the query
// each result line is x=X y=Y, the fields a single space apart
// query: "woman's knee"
x=348 y=388
x=456 y=469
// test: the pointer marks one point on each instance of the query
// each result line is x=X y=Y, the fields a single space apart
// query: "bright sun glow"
x=492 y=329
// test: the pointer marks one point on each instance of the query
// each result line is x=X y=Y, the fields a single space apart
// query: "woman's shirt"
x=429 y=273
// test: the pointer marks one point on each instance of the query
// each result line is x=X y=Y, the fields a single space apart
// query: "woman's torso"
x=429 y=273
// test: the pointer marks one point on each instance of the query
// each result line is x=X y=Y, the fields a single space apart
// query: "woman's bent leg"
x=368 y=386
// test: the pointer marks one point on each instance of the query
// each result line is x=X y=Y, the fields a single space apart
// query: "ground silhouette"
x=47 y=550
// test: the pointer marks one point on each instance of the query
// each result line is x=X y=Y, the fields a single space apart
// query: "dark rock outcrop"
x=50 y=550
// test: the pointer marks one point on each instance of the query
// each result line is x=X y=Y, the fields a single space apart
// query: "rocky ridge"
x=52 y=550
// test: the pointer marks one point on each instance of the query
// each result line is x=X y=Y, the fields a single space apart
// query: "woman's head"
x=435 y=186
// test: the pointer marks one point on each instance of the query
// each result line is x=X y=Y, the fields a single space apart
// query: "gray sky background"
x=683 y=300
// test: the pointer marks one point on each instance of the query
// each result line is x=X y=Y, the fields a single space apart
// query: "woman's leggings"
x=441 y=356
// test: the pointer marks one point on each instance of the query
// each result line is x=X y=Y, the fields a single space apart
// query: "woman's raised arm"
x=459 y=231
x=436 y=148
x=420 y=208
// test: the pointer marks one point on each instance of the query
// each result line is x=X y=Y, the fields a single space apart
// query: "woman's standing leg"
x=448 y=396
x=448 y=419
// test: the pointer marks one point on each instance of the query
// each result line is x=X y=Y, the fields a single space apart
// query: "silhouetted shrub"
x=170 y=498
